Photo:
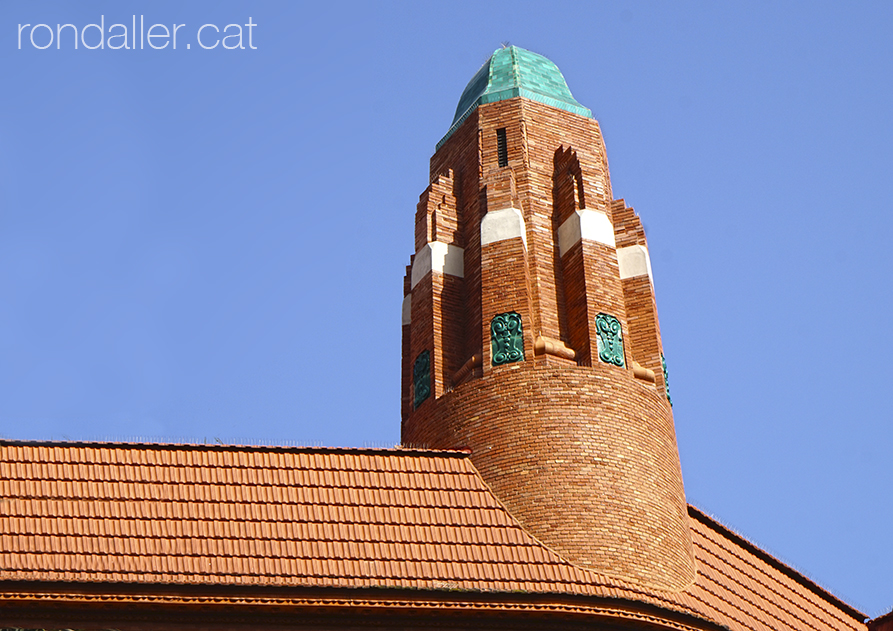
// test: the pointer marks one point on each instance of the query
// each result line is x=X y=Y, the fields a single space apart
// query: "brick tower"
x=530 y=332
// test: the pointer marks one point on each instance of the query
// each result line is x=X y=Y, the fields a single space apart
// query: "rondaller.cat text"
x=136 y=36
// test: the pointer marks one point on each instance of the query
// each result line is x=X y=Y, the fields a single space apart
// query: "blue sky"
x=209 y=244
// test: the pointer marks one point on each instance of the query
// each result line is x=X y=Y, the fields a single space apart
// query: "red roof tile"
x=328 y=517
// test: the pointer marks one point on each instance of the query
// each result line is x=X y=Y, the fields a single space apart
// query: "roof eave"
x=31 y=604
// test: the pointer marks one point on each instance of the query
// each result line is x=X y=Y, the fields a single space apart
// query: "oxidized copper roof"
x=424 y=520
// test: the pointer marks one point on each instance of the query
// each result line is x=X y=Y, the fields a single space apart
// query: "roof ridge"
x=516 y=70
x=380 y=451
x=798 y=577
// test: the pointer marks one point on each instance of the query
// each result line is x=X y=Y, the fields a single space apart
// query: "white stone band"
x=499 y=225
x=592 y=225
x=634 y=261
x=437 y=257
x=406 y=310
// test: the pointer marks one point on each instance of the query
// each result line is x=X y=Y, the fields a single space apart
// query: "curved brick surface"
x=584 y=457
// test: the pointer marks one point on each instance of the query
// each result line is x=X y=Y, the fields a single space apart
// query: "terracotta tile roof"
x=221 y=515
x=749 y=589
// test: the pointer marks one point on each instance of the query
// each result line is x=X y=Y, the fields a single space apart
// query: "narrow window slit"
x=502 y=149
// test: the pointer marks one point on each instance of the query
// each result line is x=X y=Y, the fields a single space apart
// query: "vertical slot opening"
x=502 y=148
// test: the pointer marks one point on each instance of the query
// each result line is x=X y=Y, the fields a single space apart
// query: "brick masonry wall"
x=585 y=458
x=644 y=338
x=461 y=155
x=581 y=452
x=405 y=365
x=573 y=289
x=505 y=288
x=638 y=295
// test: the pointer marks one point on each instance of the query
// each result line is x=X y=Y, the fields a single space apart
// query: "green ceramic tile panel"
x=663 y=363
x=421 y=378
x=610 y=339
x=512 y=72
x=507 y=338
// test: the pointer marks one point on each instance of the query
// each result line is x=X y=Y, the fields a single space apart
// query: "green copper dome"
x=511 y=72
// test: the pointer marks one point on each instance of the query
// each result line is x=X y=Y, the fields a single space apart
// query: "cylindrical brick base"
x=584 y=457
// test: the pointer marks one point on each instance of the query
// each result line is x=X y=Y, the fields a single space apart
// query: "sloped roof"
x=266 y=516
